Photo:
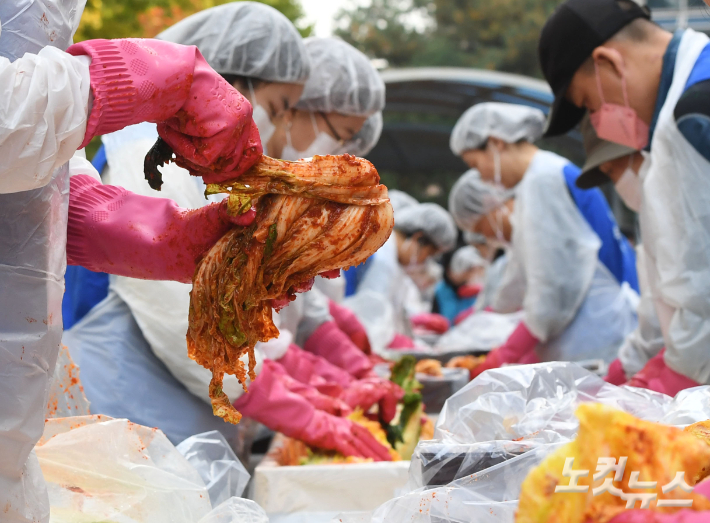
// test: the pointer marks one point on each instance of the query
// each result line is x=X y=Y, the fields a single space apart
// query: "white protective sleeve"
x=161 y=308
x=555 y=246
x=44 y=102
x=647 y=340
x=305 y=314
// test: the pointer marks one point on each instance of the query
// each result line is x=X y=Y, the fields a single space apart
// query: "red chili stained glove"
x=205 y=120
x=349 y=323
x=658 y=377
x=119 y=232
x=518 y=347
x=469 y=290
x=329 y=342
x=366 y=392
x=616 y=374
x=270 y=402
x=314 y=370
x=331 y=405
x=463 y=315
x=400 y=341
x=431 y=321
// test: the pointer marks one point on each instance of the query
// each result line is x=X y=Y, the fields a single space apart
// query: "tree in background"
x=147 y=18
x=500 y=34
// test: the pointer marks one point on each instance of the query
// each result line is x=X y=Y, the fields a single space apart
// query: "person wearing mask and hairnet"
x=464 y=271
x=645 y=87
x=609 y=161
x=497 y=139
x=420 y=232
x=137 y=332
x=54 y=103
x=340 y=108
x=553 y=273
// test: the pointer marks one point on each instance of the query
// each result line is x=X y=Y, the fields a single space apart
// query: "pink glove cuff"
x=616 y=374
x=519 y=343
x=114 y=230
x=345 y=318
x=329 y=342
x=135 y=80
x=311 y=369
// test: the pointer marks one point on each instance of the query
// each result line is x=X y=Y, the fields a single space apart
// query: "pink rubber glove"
x=366 y=392
x=682 y=516
x=205 y=120
x=349 y=323
x=658 y=377
x=518 y=346
x=463 y=315
x=314 y=370
x=400 y=341
x=616 y=374
x=431 y=322
x=331 y=405
x=329 y=342
x=271 y=403
x=114 y=230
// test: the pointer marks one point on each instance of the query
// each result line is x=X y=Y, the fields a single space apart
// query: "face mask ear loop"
x=288 y=133
x=315 y=125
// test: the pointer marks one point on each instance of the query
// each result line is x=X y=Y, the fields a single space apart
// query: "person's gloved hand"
x=349 y=323
x=205 y=120
x=329 y=342
x=314 y=370
x=400 y=341
x=431 y=322
x=330 y=404
x=657 y=376
x=368 y=391
x=518 y=346
x=469 y=290
x=119 y=232
x=271 y=403
x=682 y=516
x=616 y=374
x=463 y=315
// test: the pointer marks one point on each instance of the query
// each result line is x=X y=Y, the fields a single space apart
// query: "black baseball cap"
x=568 y=38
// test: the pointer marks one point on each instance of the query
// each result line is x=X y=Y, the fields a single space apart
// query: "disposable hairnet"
x=471 y=197
x=245 y=39
x=473 y=238
x=342 y=80
x=432 y=220
x=401 y=200
x=465 y=259
x=508 y=122
x=30 y=25
x=366 y=139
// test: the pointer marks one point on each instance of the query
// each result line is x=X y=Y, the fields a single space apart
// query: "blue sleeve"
x=692 y=112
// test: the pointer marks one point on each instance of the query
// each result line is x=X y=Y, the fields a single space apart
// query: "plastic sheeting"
x=66 y=394
x=236 y=510
x=223 y=474
x=115 y=470
x=377 y=316
x=500 y=426
x=480 y=332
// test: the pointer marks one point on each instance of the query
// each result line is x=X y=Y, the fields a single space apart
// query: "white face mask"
x=323 y=144
x=413 y=266
x=629 y=188
x=261 y=119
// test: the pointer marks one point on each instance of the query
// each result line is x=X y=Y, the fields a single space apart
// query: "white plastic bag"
x=223 y=474
x=66 y=395
x=483 y=331
x=236 y=510
x=102 y=469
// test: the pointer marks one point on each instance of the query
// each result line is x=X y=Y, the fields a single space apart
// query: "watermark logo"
x=605 y=466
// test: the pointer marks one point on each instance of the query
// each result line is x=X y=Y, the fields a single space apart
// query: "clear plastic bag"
x=66 y=395
x=102 y=469
x=500 y=426
x=480 y=332
x=223 y=474
x=236 y=510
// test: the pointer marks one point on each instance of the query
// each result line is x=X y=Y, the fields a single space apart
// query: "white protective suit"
x=387 y=277
x=43 y=111
x=572 y=303
x=675 y=226
x=131 y=348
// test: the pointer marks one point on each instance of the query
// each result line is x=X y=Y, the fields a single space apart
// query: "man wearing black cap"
x=648 y=89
